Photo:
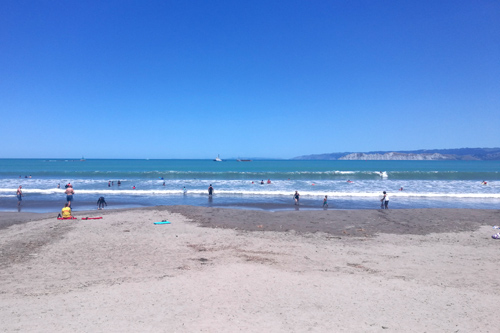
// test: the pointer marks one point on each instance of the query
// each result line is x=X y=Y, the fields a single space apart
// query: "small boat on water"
x=218 y=159
x=239 y=160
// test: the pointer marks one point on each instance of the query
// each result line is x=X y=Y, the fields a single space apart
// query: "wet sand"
x=344 y=222
x=223 y=270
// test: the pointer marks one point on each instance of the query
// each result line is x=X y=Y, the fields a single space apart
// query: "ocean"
x=348 y=184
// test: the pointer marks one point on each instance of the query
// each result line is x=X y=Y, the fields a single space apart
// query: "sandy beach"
x=224 y=270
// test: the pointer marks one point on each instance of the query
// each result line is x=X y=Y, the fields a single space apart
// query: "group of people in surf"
x=384 y=202
x=66 y=212
x=112 y=183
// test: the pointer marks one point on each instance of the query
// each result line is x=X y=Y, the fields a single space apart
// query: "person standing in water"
x=325 y=201
x=69 y=194
x=101 y=202
x=296 y=196
x=384 y=201
x=19 y=195
x=210 y=190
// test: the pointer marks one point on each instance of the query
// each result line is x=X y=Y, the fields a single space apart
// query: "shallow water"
x=426 y=184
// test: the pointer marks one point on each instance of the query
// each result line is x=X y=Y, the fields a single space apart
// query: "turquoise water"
x=237 y=184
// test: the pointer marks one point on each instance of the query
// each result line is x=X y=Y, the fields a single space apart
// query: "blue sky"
x=193 y=79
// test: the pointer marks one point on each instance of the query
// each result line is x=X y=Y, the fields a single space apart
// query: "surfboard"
x=163 y=222
x=67 y=218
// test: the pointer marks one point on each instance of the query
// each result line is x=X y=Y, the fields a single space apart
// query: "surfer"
x=384 y=201
x=19 y=195
x=296 y=196
x=210 y=190
x=269 y=181
x=101 y=202
x=484 y=182
x=69 y=194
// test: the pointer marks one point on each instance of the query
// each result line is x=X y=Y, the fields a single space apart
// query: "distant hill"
x=422 y=154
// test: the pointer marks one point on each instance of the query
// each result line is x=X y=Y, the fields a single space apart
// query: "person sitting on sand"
x=66 y=211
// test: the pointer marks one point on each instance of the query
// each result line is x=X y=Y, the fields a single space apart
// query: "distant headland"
x=467 y=154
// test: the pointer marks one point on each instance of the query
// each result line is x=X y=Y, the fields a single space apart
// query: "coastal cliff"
x=397 y=157
x=471 y=154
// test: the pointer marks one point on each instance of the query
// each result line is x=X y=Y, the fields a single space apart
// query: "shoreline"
x=361 y=223
x=55 y=204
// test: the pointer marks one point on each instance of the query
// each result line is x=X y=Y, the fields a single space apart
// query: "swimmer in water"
x=296 y=196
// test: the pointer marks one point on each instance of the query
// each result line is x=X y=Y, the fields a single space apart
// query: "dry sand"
x=221 y=270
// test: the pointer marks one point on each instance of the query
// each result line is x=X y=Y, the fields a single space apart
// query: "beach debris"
x=496 y=236
x=163 y=222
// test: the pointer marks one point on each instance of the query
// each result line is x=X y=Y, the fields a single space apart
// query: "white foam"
x=241 y=192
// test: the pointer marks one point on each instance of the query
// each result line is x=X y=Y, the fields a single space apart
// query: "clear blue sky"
x=193 y=79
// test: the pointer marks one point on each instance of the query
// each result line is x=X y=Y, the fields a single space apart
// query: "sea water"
x=348 y=184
